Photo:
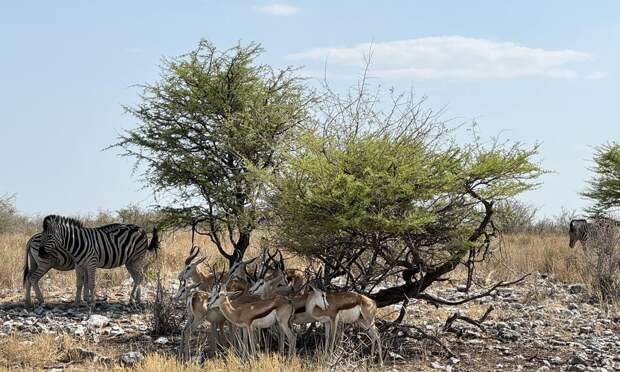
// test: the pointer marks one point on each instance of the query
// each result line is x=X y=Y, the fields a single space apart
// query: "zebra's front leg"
x=91 y=268
x=80 y=278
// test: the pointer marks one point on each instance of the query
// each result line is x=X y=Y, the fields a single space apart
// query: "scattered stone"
x=131 y=358
x=98 y=321
x=576 y=368
x=576 y=288
x=162 y=341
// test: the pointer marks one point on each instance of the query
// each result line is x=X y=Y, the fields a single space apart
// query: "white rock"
x=98 y=321
x=164 y=340
x=131 y=358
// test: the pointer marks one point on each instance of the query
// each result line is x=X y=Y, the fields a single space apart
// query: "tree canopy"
x=205 y=128
x=604 y=187
x=377 y=193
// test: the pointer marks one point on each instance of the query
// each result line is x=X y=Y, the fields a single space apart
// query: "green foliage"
x=212 y=121
x=604 y=188
x=378 y=195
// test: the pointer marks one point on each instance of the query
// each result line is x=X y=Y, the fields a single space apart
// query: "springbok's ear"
x=200 y=260
x=250 y=260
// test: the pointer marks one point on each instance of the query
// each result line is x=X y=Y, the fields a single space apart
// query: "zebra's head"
x=52 y=236
x=578 y=231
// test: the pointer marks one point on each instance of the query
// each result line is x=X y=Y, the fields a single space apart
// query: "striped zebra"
x=35 y=267
x=104 y=247
x=579 y=231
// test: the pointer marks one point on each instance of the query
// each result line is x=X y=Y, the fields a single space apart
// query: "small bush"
x=166 y=320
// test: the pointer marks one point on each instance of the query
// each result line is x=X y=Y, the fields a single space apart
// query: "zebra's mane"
x=61 y=220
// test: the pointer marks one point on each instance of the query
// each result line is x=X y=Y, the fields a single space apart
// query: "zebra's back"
x=117 y=244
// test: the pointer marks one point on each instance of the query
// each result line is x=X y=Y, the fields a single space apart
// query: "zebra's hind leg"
x=135 y=270
x=33 y=280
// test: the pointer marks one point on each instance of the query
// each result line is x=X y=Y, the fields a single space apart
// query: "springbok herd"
x=272 y=295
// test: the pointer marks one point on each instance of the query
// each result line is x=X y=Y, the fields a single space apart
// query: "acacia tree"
x=213 y=121
x=604 y=188
x=390 y=196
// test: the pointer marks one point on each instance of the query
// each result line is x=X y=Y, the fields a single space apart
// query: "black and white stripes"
x=106 y=247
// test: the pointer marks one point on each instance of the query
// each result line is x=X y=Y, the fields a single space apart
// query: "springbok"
x=268 y=288
x=198 y=311
x=345 y=307
x=294 y=277
x=192 y=272
x=257 y=314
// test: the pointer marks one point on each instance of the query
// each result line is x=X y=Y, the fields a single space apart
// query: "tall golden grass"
x=513 y=255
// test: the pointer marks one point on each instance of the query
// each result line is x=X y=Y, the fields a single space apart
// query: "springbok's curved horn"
x=193 y=253
x=281 y=260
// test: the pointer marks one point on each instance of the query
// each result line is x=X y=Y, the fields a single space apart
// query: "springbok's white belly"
x=350 y=315
x=266 y=321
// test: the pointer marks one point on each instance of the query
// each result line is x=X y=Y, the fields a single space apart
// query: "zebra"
x=579 y=231
x=35 y=267
x=105 y=247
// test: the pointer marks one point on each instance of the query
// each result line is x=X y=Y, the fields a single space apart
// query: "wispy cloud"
x=278 y=9
x=452 y=57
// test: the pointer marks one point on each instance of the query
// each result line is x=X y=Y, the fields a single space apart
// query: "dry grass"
x=42 y=351
x=174 y=249
x=520 y=253
x=515 y=254
x=524 y=253
x=158 y=362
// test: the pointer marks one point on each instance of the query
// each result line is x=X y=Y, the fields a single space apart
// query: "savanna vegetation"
x=372 y=187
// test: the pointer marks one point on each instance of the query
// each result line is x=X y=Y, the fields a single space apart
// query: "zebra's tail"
x=26 y=266
x=154 y=244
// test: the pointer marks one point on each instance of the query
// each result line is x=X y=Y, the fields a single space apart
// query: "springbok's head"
x=320 y=298
x=239 y=269
x=190 y=269
x=185 y=291
x=261 y=284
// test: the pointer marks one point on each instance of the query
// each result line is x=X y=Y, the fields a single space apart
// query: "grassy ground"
x=514 y=254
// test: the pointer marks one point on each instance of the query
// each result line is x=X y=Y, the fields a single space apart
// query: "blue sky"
x=534 y=71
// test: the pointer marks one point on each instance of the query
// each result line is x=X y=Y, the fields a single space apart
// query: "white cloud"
x=278 y=9
x=452 y=57
x=596 y=75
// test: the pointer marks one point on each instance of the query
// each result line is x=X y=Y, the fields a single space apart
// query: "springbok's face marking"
x=184 y=291
x=258 y=287
x=321 y=297
x=214 y=300
x=237 y=270
x=190 y=269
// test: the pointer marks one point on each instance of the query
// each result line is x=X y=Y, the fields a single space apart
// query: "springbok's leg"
x=252 y=338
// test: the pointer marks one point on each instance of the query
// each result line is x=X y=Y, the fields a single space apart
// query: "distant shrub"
x=10 y=219
x=514 y=216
